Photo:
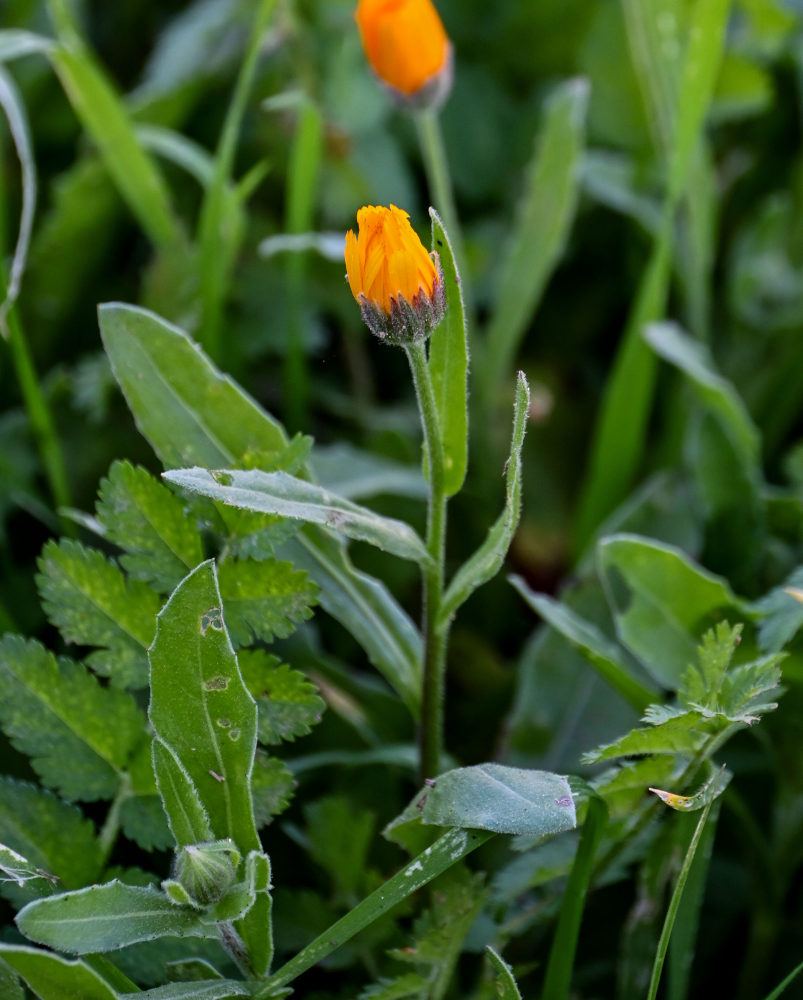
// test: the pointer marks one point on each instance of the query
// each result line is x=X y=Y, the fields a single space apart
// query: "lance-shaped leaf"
x=499 y=798
x=448 y=365
x=506 y=986
x=78 y=734
x=52 y=977
x=211 y=989
x=189 y=821
x=200 y=707
x=488 y=559
x=280 y=493
x=107 y=917
x=191 y=414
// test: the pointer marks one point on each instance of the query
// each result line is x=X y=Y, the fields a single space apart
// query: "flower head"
x=407 y=47
x=398 y=284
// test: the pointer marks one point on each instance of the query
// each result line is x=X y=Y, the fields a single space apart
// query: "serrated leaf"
x=410 y=986
x=52 y=977
x=499 y=798
x=58 y=843
x=486 y=562
x=288 y=704
x=280 y=493
x=191 y=414
x=90 y=601
x=272 y=788
x=149 y=522
x=681 y=734
x=264 y=600
x=107 y=917
x=448 y=365
x=661 y=601
x=78 y=734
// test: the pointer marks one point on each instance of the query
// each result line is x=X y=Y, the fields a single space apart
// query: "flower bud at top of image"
x=408 y=49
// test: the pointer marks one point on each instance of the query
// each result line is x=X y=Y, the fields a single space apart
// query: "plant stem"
x=435 y=636
x=111 y=827
x=674 y=904
x=439 y=180
x=39 y=414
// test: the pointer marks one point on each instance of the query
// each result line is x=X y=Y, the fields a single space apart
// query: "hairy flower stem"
x=435 y=636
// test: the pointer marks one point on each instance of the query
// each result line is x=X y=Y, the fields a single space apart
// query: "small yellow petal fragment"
x=679 y=802
x=794 y=592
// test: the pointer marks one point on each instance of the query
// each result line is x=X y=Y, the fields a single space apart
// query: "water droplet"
x=219 y=683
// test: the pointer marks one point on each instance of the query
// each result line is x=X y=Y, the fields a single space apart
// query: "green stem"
x=211 y=235
x=439 y=181
x=111 y=827
x=39 y=414
x=435 y=635
x=674 y=904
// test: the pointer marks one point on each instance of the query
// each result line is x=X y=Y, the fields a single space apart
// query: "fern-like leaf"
x=288 y=704
x=264 y=600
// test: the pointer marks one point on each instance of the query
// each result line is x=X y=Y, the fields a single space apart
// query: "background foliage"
x=620 y=181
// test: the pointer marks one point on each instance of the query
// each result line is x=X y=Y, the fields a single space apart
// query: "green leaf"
x=782 y=613
x=339 y=838
x=487 y=560
x=448 y=366
x=661 y=601
x=150 y=523
x=499 y=798
x=354 y=473
x=213 y=989
x=107 y=917
x=17 y=43
x=186 y=815
x=52 y=977
x=288 y=705
x=56 y=841
x=715 y=392
x=191 y=414
x=106 y=120
x=543 y=220
x=78 y=734
x=264 y=599
x=410 y=986
x=711 y=790
x=604 y=655
x=272 y=788
x=200 y=707
x=279 y=493
x=90 y=601
x=10 y=986
x=506 y=985
x=681 y=734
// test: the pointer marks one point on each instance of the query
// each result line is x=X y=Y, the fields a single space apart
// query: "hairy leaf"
x=288 y=704
x=506 y=985
x=78 y=734
x=149 y=522
x=213 y=989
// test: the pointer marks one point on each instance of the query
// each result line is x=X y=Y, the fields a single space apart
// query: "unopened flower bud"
x=207 y=870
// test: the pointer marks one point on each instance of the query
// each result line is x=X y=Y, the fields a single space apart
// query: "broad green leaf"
x=78 y=734
x=715 y=392
x=604 y=655
x=52 y=977
x=89 y=599
x=661 y=602
x=200 y=707
x=264 y=600
x=506 y=985
x=54 y=838
x=107 y=917
x=544 y=218
x=354 y=473
x=288 y=705
x=486 y=562
x=279 y=493
x=782 y=613
x=681 y=734
x=10 y=986
x=499 y=798
x=188 y=820
x=448 y=365
x=450 y=848
x=191 y=414
x=213 y=989
x=150 y=523
x=106 y=120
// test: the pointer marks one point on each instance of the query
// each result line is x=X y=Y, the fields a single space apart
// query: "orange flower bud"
x=407 y=47
x=398 y=284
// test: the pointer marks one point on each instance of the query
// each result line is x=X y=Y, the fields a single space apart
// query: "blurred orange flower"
x=397 y=283
x=407 y=47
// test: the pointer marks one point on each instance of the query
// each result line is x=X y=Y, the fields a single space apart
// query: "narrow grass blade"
x=564 y=944
x=786 y=981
